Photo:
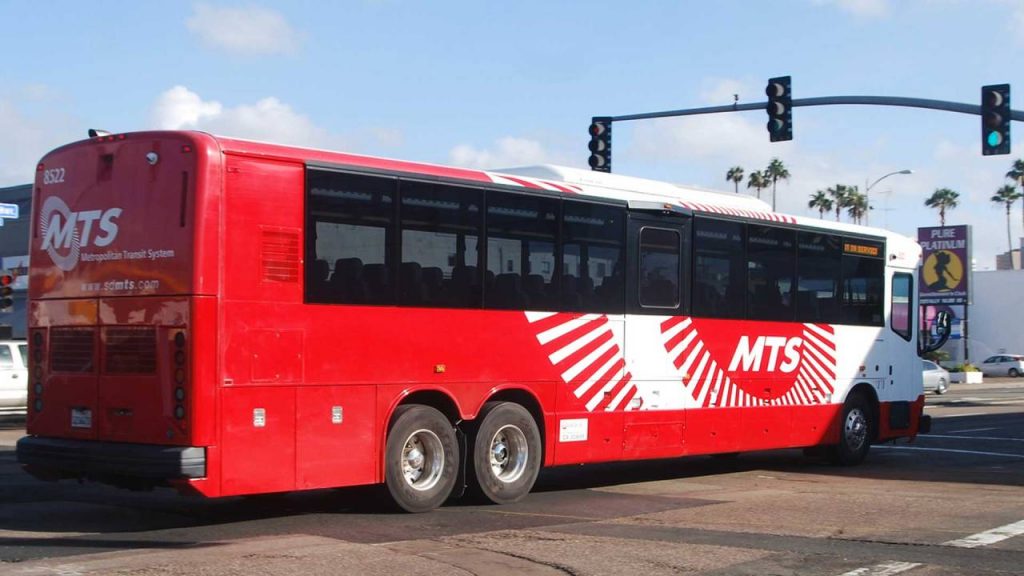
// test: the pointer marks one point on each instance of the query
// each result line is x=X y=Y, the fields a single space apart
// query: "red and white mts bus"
x=233 y=317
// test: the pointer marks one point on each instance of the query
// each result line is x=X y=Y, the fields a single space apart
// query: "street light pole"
x=868 y=187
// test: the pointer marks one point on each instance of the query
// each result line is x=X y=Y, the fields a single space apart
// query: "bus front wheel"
x=421 y=458
x=506 y=452
x=856 y=427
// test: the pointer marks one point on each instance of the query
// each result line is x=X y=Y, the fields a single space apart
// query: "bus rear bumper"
x=118 y=463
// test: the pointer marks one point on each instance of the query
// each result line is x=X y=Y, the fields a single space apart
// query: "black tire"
x=941 y=387
x=421 y=458
x=506 y=452
x=856 y=431
x=1014 y=373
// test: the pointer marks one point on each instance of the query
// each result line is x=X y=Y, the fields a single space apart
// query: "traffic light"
x=601 y=144
x=780 y=109
x=995 y=119
x=6 y=292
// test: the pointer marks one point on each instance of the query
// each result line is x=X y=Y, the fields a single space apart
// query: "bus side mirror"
x=943 y=327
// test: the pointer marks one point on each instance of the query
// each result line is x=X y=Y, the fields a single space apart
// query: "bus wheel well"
x=868 y=393
x=437 y=400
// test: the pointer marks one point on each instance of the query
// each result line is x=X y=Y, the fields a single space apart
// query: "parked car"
x=1003 y=365
x=936 y=378
x=13 y=374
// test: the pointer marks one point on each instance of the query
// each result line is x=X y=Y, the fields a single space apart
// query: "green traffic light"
x=994 y=138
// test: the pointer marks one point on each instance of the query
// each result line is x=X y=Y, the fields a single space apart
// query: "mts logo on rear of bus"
x=733 y=363
x=66 y=232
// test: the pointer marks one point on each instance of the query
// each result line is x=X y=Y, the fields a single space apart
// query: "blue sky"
x=489 y=84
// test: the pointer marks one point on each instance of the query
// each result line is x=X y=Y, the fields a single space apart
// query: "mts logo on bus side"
x=783 y=354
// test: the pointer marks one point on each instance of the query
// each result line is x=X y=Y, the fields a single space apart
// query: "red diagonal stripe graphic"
x=602 y=382
x=572 y=359
x=575 y=334
x=596 y=365
x=613 y=392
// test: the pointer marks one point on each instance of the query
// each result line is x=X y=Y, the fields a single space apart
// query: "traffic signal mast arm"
x=995 y=115
x=974 y=109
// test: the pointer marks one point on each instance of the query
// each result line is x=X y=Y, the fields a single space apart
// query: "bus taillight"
x=37 y=354
x=180 y=375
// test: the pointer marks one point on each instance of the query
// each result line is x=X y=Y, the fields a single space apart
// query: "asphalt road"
x=950 y=503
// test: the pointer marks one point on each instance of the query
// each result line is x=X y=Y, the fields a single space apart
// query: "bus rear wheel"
x=856 y=427
x=421 y=458
x=506 y=452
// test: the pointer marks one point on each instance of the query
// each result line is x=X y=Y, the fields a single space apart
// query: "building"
x=14 y=253
x=1009 y=260
x=996 y=314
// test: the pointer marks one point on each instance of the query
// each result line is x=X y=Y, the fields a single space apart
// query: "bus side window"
x=863 y=289
x=771 y=264
x=350 y=223
x=818 y=277
x=592 y=253
x=522 y=233
x=441 y=230
x=719 y=268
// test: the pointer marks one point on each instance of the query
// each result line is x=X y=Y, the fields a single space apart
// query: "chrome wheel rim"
x=422 y=460
x=508 y=453
x=856 y=429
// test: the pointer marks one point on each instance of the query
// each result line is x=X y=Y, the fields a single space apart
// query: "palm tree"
x=735 y=175
x=839 y=195
x=821 y=202
x=856 y=205
x=757 y=180
x=1007 y=195
x=776 y=171
x=1016 y=174
x=943 y=199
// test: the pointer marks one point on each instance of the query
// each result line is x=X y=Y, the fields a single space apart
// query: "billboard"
x=946 y=266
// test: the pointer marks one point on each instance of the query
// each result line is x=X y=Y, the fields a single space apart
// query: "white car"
x=1003 y=365
x=936 y=378
x=13 y=374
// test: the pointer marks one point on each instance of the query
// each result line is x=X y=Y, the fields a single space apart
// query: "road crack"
x=555 y=565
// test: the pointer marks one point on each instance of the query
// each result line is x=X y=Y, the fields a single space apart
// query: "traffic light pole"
x=944 y=105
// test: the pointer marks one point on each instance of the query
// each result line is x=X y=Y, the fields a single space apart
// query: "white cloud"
x=508 y=151
x=860 y=8
x=248 y=31
x=704 y=137
x=268 y=119
x=180 y=108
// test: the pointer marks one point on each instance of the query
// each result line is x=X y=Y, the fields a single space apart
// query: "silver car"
x=13 y=374
x=936 y=378
x=1003 y=365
